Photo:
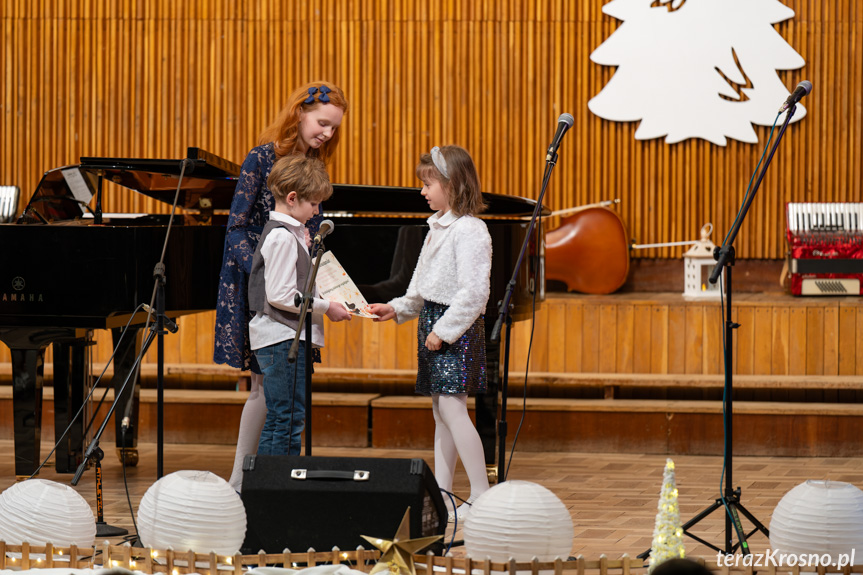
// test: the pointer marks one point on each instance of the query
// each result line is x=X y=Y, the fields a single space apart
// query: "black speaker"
x=296 y=502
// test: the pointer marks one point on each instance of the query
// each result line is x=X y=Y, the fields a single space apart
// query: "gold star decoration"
x=397 y=553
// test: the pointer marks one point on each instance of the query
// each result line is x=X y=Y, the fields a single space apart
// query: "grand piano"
x=76 y=269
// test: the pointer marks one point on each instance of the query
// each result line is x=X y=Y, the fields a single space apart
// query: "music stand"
x=730 y=498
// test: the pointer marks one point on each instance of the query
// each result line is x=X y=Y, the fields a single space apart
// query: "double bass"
x=589 y=252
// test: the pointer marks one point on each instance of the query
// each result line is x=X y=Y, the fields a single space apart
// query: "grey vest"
x=257 y=289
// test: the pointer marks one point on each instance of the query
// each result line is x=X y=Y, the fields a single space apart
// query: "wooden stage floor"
x=612 y=497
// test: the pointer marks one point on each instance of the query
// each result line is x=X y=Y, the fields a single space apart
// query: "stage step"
x=692 y=427
x=206 y=416
x=644 y=426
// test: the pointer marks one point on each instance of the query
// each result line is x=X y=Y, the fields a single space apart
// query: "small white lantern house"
x=698 y=264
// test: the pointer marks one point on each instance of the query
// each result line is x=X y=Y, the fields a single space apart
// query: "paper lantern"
x=38 y=511
x=194 y=510
x=518 y=520
x=819 y=517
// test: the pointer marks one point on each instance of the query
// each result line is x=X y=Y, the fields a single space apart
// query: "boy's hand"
x=384 y=311
x=433 y=342
x=308 y=236
x=338 y=312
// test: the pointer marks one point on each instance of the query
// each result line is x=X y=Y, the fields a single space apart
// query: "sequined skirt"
x=457 y=367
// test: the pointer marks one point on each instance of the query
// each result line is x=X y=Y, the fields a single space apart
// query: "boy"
x=280 y=269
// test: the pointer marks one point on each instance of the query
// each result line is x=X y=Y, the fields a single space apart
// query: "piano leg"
x=27 y=370
x=72 y=383
x=487 y=405
x=124 y=360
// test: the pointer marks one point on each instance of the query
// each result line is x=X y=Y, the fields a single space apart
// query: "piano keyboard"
x=813 y=218
x=826 y=248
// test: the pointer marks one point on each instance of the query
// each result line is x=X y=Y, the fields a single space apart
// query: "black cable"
x=87 y=399
x=452 y=495
x=526 y=365
x=126 y=481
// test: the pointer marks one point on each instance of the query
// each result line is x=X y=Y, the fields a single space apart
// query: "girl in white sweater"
x=448 y=292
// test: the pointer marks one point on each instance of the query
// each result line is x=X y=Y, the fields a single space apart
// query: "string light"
x=667 y=532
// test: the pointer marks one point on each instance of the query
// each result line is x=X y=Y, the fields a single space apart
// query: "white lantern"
x=698 y=263
x=194 y=510
x=518 y=520
x=38 y=511
x=819 y=517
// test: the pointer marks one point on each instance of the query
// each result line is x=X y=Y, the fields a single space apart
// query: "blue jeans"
x=285 y=394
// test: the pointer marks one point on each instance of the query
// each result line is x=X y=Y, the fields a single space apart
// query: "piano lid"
x=65 y=193
x=369 y=201
x=209 y=183
x=207 y=177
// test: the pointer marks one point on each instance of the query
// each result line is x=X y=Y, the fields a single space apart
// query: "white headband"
x=439 y=161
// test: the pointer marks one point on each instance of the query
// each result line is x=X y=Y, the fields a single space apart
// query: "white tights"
x=455 y=436
x=251 y=424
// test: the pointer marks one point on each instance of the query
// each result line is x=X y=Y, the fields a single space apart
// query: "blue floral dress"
x=250 y=210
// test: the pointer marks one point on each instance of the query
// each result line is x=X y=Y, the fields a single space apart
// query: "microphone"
x=169 y=323
x=564 y=123
x=323 y=231
x=802 y=89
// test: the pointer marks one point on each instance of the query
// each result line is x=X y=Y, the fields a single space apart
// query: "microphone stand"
x=159 y=328
x=95 y=453
x=730 y=498
x=504 y=308
x=305 y=300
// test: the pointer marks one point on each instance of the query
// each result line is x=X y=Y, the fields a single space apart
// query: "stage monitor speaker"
x=295 y=502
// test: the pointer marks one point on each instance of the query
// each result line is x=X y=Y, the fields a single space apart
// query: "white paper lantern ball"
x=38 y=511
x=518 y=520
x=819 y=517
x=194 y=510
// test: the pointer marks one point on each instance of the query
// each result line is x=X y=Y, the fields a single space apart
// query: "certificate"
x=334 y=284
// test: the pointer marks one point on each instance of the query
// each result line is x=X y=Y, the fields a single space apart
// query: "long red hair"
x=284 y=131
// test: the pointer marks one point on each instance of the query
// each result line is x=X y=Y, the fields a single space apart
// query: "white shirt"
x=454 y=269
x=280 y=281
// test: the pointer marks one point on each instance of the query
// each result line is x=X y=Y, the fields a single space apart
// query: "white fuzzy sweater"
x=454 y=269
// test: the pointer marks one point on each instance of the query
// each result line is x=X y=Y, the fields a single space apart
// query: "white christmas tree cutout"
x=695 y=68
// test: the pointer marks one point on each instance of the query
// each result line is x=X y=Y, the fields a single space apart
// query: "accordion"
x=825 y=254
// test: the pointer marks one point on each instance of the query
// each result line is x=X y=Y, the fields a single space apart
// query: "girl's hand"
x=338 y=312
x=383 y=311
x=433 y=342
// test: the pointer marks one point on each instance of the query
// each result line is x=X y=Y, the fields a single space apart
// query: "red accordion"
x=826 y=248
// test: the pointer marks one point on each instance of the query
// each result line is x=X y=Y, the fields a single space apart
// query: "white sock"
x=251 y=424
x=452 y=410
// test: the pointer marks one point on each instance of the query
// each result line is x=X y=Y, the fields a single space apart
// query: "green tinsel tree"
x=667 y=532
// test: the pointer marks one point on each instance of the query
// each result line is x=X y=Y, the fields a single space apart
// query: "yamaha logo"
x=17 y=295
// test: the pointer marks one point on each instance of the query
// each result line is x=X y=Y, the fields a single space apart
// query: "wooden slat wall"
x=666 y=335
x=147 y=78
x=601 y=334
